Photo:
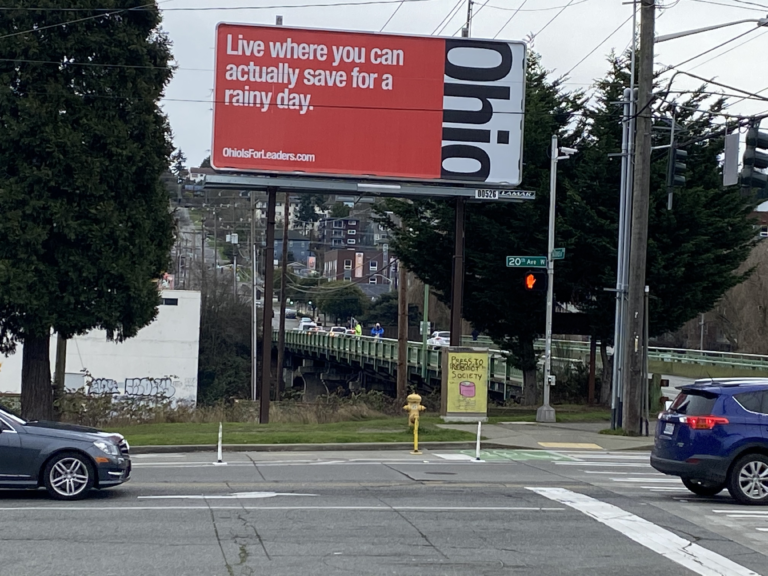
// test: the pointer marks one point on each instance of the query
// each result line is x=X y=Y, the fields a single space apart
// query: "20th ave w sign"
x=526 y=261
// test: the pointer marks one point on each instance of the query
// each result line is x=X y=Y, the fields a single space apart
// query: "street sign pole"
x=546 y=413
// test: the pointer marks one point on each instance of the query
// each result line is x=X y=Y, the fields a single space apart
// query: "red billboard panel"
x=323 y=102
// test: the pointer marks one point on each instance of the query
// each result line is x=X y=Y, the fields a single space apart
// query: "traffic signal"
x=754 y=159
x=677 y=167
x=535 y=281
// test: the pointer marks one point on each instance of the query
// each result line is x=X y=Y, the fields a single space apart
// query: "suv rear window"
x=694 y=403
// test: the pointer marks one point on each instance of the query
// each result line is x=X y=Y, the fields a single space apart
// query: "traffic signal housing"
x=677 y=167
x=755 y=159
x=535 y=281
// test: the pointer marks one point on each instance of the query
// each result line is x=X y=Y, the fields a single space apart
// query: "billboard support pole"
x=457 y=284
x=283 y=280
x=254 y=317
x=269 y=272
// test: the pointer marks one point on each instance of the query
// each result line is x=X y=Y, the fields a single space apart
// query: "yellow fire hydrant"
x=414 y=408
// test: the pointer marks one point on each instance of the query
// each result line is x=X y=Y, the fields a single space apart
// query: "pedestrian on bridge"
x=377 y=331
x=358 y=330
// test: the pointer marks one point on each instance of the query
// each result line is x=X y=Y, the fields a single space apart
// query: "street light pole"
x=546 y=413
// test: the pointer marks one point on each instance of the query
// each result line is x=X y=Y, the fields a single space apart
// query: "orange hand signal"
x=530 y=281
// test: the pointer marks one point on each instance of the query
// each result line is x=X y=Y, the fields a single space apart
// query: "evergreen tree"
x=693 y=250
x=495 y=300
x=86 y=226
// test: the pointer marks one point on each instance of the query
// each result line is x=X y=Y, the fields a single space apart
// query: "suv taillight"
x=703 y=422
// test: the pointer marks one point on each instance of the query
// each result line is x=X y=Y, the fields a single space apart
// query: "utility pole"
x=283 y=280
x=465 y=30
x=269 y=272
x=254 y=312
x=632 y=384
x=402 y=331
x=425 y=331
x=202 y=258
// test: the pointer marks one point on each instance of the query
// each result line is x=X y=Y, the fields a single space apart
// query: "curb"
x=340 y=447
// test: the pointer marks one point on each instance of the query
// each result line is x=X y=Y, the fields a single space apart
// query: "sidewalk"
x=574 y=435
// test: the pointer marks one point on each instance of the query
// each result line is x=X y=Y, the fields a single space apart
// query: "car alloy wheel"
x=748 y=482
x=68 y=476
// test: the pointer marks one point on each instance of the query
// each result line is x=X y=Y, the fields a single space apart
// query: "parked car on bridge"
x=715 y=436
x=439 y=339
x=68 y=461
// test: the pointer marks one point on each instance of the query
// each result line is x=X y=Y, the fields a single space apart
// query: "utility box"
x=464 y=387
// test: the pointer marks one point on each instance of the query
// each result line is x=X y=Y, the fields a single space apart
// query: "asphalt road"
x=517 y=512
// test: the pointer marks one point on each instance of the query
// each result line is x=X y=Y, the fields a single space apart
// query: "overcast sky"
x=575 y=32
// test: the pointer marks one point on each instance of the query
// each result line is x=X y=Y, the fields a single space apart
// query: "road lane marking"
x=652 y=480
x=669 y=545
x=291 y=508
x=582 y=445
x=234 y=496
x=604 y=464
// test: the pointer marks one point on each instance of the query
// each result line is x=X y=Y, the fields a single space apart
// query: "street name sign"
x=558 y=253
x=526 y=261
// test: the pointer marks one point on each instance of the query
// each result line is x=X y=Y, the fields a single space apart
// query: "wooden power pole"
x=633 y=376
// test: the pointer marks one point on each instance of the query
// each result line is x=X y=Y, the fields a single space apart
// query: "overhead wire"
x=747 y=41
x=553 y=18
x=212 y=8
x=400 y=5
x=619 y=27
x=728 y=5
x=510 y=19
x=68 y=22
x=447 y=19
x=684 y=62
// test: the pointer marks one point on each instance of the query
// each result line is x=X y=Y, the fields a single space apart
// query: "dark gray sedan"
x=67 y=460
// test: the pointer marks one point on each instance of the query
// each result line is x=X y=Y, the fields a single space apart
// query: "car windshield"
x=443 y=334
x=11 y=415
x=694 y=403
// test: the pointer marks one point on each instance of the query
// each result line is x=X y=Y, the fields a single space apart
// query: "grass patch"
x=563 y=413
x=374 y=430
x=616 y=432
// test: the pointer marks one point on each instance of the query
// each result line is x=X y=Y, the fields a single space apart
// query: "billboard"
x=381 y=106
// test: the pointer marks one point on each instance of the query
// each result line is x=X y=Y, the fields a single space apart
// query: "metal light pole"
x=546 y=413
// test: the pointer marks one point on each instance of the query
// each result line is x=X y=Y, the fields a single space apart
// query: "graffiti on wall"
x=170 y=387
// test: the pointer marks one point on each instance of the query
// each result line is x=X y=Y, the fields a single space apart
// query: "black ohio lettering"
x=467 y=152
x=478 y=74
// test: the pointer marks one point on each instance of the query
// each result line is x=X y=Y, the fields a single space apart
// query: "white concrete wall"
x=161 y=358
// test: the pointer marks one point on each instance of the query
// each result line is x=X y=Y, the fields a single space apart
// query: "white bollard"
x=220 y=459
x=477 y=447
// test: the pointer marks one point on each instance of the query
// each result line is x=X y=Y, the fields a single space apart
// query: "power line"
x=553 y=18
x=750 y=31
x=468 y=22
x=448 y=17
x=400 y=5
x=728 y=5
x=510 y=19
x=519 y=8
x=731 y=49
x=620 y=26
x=68 y=22
x=212 y=8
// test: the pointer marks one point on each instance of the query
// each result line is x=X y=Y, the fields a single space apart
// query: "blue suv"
x=715 y=436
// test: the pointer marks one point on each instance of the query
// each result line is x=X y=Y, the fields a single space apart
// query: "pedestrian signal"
x=535 y=281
